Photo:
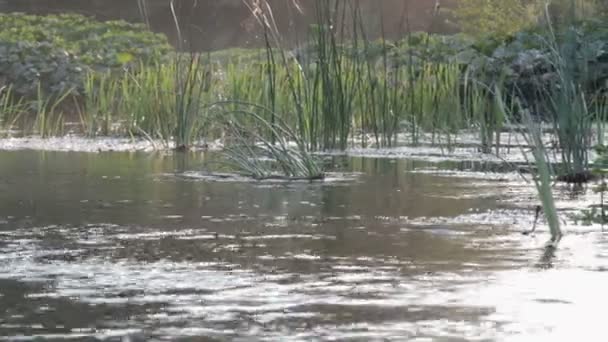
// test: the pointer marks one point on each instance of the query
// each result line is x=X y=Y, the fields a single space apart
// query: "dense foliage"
x=58 y=50
x=521 y=59
x=334 y=91
x=499 y=17
x=506 y=17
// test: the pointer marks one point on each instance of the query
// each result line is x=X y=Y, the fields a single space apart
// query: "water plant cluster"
x=337 y=88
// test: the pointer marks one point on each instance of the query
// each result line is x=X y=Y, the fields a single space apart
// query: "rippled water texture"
x=103 y=246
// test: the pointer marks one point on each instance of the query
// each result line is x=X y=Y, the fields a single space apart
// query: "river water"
x=119 y=246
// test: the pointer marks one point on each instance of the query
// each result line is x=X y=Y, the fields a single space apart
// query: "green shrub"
x=24 y=65
x=57 y=50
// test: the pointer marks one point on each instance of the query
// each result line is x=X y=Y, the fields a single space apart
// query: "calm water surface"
x=128 y=246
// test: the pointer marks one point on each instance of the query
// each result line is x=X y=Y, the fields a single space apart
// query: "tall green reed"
x=49 y=118
x=565 y=100
x=164 y=102
x=101 y=101
x=599 y=110
x=193 y=81
x=11 y=109
x=338 y=86
x=544 y=172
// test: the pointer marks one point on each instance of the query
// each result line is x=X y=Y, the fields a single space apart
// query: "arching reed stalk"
x=285 y=155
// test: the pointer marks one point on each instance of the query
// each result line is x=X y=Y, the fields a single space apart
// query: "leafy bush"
x=57 y=50
x=499 y=17
x=25 y=64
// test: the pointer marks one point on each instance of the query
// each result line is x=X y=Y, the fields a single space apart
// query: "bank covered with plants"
x=69 y=74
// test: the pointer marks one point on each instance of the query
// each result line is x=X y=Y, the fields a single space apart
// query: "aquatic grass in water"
x=49 y=120
x=542 y=181
x=329 y=90
x=11 y=110
x=192 y=82
x=164 y=101
x=565 y=100
x=284 y=156
x=599 y=112
x=338 y=88
x=484 y=111
x=147 y=102
x=101 y=102
x=333 y=89
x=543 y=177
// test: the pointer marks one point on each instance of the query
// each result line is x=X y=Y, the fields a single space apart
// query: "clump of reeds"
x=249 y=149
x=11 y=109
x=101 y=104
x=566 y=102
x=49 y=116
x=164 y=101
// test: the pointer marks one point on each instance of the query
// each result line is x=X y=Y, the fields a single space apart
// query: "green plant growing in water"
x=192 y=83
x=542 y=178
x=10 y=109
x=565 y=100
x=597 y=214
x=284 y=155
x=599 y=106
x=165 y=101
x=49 y=120
x=101 y=103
